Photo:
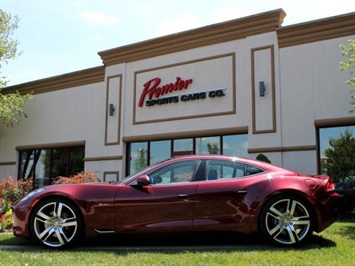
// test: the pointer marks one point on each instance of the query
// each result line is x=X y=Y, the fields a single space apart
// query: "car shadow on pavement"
x=203 y=241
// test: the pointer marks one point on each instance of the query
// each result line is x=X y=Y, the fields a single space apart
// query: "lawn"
x=334 y=246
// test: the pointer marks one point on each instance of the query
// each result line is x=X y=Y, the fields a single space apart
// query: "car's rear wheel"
x=287 y=220
x=56 y=223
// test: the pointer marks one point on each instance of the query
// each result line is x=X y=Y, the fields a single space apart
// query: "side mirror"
x=143 y=180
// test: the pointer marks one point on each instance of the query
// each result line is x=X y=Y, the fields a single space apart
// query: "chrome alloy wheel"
x=287 y=221
x=55 y=224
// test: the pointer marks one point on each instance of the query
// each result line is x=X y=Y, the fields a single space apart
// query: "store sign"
x=193 y=89
x=155 y=94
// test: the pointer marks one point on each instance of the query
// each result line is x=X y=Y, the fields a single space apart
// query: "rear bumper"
x=328 y=211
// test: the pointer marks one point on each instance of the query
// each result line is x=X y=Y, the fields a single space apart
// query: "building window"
x=183 y=146
x=235 y=145
x=142 y=154
x=44 y=165
x=138 y=156
x=159 y=151
x=337 y=151
x=209 y=145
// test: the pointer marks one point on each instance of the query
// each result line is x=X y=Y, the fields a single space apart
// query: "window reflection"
x=43 y=165
x=159 y=151
x=235 y=145
x=337 y=151
x=142 y=154
x=183 y=145
x=138 y=156
x=210 y=145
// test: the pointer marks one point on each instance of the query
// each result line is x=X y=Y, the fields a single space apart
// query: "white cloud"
x=99 y=18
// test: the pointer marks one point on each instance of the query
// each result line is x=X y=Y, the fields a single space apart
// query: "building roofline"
x=302 y=33
x=316 y=30
x=68 y=80
x=207 y=35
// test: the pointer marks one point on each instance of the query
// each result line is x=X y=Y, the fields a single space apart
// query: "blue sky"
x=58 y=37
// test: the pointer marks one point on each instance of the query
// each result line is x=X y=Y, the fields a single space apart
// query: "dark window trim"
x=128 y=154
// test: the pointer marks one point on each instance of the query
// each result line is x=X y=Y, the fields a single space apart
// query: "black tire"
x=287 y=220
x=56 y=223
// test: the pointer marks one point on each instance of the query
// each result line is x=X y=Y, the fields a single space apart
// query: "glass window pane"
x=235 y=145
x=45 y=165
x=337 y=152
x=138 y=156
x=175 y=172
x=183 y=145
x=159 y=151
x=26 y=161
x=221 y=169
x=76 y=162
x=42 y=168
x=209 y=145
x=59 y=162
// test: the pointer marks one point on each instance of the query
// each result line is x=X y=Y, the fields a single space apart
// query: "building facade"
x=243 y=87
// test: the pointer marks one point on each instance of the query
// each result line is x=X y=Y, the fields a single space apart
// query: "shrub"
x=82 y=177
x=11 y=191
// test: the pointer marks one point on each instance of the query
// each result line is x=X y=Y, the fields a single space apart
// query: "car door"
x=222 y=201
x=163 y=205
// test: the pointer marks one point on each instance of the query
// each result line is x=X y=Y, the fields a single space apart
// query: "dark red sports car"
x=185 y=194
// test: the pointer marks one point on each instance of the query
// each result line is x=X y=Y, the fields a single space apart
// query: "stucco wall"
x=302 y=80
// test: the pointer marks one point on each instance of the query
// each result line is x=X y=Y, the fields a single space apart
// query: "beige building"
x=242 y=87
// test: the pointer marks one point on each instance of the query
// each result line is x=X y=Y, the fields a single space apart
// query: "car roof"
x=264 y=165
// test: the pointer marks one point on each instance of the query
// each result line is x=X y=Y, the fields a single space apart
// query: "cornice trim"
x=317 y=30
x=65 y=81
x=208 y=35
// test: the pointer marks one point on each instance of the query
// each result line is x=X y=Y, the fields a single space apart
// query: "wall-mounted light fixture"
x=261 y=89
x=111 y=109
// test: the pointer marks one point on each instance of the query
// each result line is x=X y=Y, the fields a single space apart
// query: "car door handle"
x=183 y=196
x=241 y=192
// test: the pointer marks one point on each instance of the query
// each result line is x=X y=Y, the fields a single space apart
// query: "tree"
x=141 y=161
x=339 y=161
x=349 y=65
x=11 y=104
x=212 y=148
x=263 y=158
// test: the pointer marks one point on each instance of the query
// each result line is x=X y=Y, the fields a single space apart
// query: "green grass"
x=334 y=246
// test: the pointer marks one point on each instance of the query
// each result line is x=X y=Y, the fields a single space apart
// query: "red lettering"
x=147 y=89
x=151 y=88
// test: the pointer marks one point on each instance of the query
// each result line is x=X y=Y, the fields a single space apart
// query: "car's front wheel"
x=286 y=220
x=56 y=223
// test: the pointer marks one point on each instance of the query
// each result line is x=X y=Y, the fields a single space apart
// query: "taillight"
x=329 y=186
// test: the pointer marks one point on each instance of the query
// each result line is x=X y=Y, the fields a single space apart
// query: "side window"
x=223 y=169
x=252 y=170
x=175 y=173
